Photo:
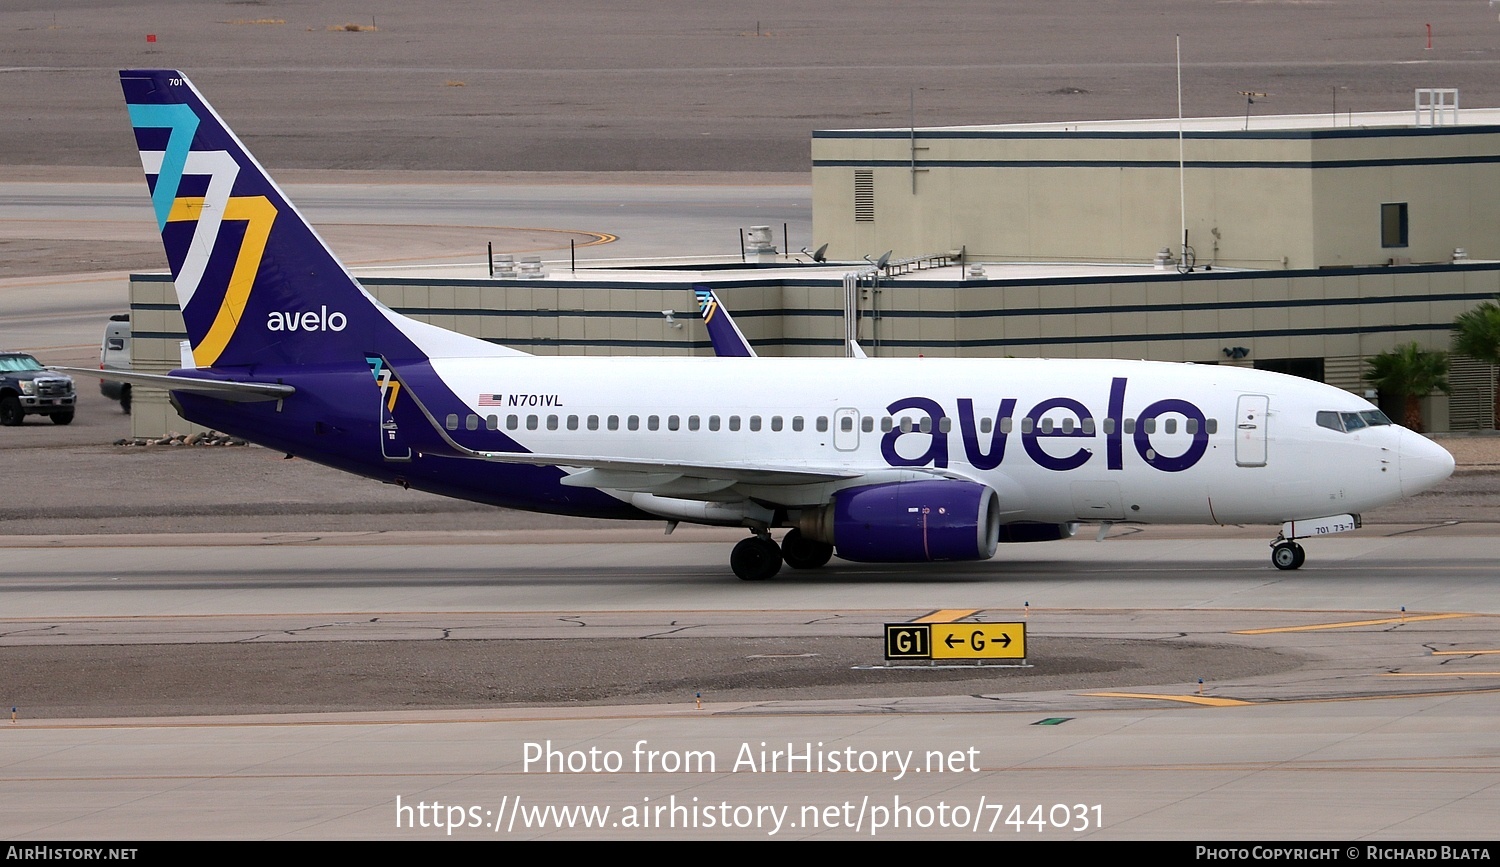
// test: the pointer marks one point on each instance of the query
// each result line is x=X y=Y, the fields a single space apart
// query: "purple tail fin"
x=256 y=284
x=727 y=339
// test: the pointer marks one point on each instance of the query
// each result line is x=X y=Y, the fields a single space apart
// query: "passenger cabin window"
x=797 y=423
x=734 y=422
x=822 y=424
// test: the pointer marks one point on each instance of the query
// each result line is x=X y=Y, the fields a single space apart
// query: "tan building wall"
x=1340 y=316
x=1290 y=192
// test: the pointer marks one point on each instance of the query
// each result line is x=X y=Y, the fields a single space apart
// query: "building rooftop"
x=1257 y=123
x=679 y=274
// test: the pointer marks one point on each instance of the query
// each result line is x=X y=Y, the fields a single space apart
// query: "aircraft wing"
x=239 y=392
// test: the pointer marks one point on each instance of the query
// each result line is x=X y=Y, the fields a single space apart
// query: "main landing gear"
x=759 y=557
x=1287 y=555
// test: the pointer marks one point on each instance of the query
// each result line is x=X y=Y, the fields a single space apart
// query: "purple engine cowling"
x=903 y=522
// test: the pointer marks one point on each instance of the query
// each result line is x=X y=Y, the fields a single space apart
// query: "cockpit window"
x=1351 y=421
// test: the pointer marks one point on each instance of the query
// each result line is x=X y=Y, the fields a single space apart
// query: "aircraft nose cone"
x=1424 y=463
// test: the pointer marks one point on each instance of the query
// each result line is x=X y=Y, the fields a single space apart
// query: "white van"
x=114 y=354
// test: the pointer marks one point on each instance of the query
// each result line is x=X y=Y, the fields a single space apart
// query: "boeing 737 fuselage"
x=883 y=460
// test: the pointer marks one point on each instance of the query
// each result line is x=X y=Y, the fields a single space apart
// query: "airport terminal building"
x=1315 y=242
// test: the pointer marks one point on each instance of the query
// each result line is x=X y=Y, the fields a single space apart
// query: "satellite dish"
x=886 y=257
x=821 y=255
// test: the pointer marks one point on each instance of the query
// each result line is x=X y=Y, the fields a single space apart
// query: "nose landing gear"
x=1286 y=554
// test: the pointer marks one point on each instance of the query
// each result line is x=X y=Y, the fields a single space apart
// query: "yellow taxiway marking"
x=1188 y=699
x=1463 y=652
x=947 y=615
x=1350 y=624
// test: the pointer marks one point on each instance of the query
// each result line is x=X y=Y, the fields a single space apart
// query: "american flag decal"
x=492 y=400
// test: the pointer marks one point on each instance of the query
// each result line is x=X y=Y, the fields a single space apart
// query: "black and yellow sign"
x=908 y=641
x=955 y=641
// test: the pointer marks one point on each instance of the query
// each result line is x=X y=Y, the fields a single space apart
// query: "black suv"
x=27 y=388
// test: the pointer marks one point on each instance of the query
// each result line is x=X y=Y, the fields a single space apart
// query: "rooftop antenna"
x=1250 y=96
x=818 y=255
x=1185 y=260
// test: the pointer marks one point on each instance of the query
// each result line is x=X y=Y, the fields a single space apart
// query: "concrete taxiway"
x=1326 y=712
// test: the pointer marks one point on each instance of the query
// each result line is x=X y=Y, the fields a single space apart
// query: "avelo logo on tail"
x=194 y=187
x=307 y=320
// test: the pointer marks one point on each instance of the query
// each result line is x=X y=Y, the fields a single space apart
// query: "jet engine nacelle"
x=901 y=522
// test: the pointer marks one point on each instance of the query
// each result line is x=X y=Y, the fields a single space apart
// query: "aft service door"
x=1250 y=430
x=393 y=446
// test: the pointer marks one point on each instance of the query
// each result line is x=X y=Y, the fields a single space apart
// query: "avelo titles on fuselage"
x=893 y=460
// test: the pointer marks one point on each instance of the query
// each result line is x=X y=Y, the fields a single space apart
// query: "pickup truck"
x=28 y=388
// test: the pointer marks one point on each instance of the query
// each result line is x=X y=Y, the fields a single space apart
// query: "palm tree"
x=1477 y=335
x=1411 y=372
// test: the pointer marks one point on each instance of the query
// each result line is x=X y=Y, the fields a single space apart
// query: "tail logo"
x=214 y=172
x=322 y=320
x=708 y=305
